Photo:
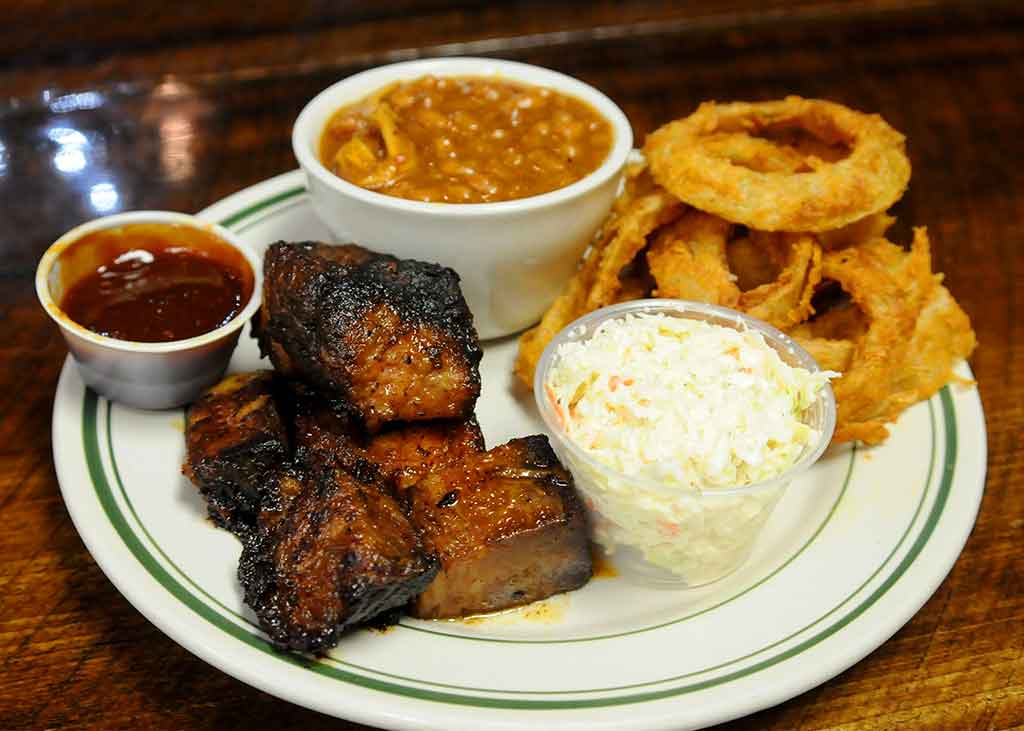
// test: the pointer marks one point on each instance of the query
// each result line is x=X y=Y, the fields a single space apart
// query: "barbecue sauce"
x=155 y=283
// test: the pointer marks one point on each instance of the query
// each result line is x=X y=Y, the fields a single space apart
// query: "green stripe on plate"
x=148 y=561
x=497 y=640
x=255 y=208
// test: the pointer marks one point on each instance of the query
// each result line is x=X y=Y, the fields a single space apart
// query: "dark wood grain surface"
x=175 y=109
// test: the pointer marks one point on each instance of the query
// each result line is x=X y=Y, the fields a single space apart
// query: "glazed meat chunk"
x=342 y=553
x=508 y=529
x=391 y=339
x=321 y=430
x=405 y=453
x=236 y=443
x=401 y=453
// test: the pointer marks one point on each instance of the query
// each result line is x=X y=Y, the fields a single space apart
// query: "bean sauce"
x=465 y=140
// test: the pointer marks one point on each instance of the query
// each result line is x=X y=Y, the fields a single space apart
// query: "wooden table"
x=180 y=111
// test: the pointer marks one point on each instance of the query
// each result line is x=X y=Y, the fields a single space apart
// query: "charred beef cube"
x=236 y=441
x=392 y=339
x=288 y=482
x=405 y=453
x=342 y=553
x=402 y=452
x=508 y=529
x=321 y=430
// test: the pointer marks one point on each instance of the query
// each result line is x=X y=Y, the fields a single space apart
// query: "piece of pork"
x=391 y=339
x=342 y=553
x=236 y=446
x=406 y=453
x=508 y=529
x=402 y=452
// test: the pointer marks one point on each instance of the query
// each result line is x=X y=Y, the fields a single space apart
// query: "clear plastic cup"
x=716 y=528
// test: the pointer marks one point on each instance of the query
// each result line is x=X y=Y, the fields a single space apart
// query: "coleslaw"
x=677 y=412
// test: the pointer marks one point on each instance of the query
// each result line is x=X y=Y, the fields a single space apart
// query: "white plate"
x=852 y=552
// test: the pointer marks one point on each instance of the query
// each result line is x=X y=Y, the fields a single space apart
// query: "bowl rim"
x=69 y=326
x=613 y=163
x=590 y=321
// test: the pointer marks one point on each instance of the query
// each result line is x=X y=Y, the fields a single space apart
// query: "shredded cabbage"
x=690 y=406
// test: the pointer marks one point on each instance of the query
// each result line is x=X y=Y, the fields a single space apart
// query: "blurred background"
x=111 y=105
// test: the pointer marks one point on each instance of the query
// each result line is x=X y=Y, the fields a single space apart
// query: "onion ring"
x=687 y=260
x=626 y=238
x=891 y=287
x=870 y=179
x=756 y=153
x=641 y=208
x=786 y=300
x=751 y=264
x=867 y=228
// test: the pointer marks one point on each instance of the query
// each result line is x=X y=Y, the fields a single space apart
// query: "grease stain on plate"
x=548 y=611
x=603 y=568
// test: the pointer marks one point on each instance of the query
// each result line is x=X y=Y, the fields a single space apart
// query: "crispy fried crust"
x=688 y=260
x=835 y=193
x=786 y=300
x=913 y=334
x=508 y=529
x=342 y=553
x=641 y=209
x=236 y=441
x=392 y=340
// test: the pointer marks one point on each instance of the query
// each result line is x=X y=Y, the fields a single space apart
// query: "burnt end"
x=392 y=340
x=507 y=526
x=236 y=443
x=537 y=452
x=321 y=430
x=287 y=483
x=401 y=453
x=406 y=453
x=342 y=554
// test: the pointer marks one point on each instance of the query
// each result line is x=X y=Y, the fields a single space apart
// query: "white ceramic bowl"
x=513 y=256
x=145 y=375
x=715 y=529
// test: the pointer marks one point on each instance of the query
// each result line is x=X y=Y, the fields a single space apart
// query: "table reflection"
x=67 y=158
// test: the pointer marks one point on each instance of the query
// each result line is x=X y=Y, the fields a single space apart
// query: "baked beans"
x=465 y=140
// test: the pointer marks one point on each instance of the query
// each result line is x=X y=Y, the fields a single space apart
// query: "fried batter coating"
x=772 y=209
x=835 y=192
x=641 y=209
x=866 y=229
x=508 y=529
x=393 y=340
x=236 y=442
x=688 y=261
x=750 y=263
x=915 y=333
x=786 y=300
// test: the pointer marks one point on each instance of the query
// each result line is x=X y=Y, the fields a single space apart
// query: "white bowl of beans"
x=500 y=170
